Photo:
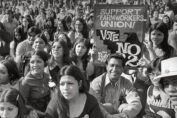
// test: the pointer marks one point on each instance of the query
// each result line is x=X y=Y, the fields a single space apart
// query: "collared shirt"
x=112 y=92
x=115 y=93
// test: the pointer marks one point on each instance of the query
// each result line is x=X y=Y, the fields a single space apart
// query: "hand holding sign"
x=121 y=30
x=148 y=44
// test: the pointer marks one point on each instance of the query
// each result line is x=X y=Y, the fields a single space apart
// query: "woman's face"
x=57 y=50
x=156 y=14
x=157 y=37
x=166 y=20
x=49 y=23
x=38 y=44
x=47 y=35
x=69 y=87
x=60 y=25
x=8 y=110
x=4 y=76
x=17 y=36
x=36 y=65
x=68 y=25
x=78 y=26
x=80 y=49
x=25 y=22
x=62 y=37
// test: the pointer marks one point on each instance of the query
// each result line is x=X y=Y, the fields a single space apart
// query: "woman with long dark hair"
x=157 y=46
x=71 y=99
x=34 y=87
x=59 y=58
x=80 y=30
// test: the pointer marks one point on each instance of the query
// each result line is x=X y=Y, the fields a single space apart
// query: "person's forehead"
x=115 y=60
x=6 y=104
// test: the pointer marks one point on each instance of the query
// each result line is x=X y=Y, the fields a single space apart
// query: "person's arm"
x=20 y=49
x=95 y=88
x=51 y=110
x=133 y=105
x=12 y=49
x=25 y=92
x=24 y=89
x=150 y=49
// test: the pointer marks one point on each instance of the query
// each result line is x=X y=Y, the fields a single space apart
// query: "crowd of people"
x=49 y=65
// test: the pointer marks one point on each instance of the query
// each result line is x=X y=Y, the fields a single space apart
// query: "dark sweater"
x=91 y=108
x=35 y=91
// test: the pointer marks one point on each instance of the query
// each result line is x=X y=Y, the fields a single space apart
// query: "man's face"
x=114 y=69
x=170 y=87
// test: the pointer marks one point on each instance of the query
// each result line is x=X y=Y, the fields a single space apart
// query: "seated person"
x=116 y=94
x=161 y=97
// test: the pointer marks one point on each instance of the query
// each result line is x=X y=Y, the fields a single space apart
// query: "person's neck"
x=155 y=46
x=114 y=80
x=79 y=58
x=59 y=61
x=75 y=99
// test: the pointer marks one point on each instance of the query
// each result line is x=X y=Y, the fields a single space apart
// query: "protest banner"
x=121 y=28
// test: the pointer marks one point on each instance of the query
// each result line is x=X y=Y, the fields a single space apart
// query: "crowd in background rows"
x=49 y=63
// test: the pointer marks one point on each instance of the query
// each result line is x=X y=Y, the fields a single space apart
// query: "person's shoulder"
x=12 y=44
x=23 y=43
x=99 y=78
x=91 y=98
x=91 y=101
x=125 y=79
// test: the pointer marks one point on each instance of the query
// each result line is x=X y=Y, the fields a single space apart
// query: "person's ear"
x=80 y=83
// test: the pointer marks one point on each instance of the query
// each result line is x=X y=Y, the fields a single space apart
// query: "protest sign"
x=121 y=28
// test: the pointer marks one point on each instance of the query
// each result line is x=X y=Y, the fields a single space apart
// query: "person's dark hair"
x=46 y=25
x=43 y=37
x=68 y=19
x=62 y=103
x=30 y=22
x=12 y=69
x=164 y=45
x=9 y=12
x=49 y=32
x=75 y=72
x=33 y=30
x=85 y=56
x=43 y=55
x=116 y=56
x=18 y=31
x=169 y=24
x=68 y=41
x=2 y=27
x=63 y=22
x=14 y=97
x=84 y=31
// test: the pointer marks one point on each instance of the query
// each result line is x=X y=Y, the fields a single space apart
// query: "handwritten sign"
x=122 y=30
